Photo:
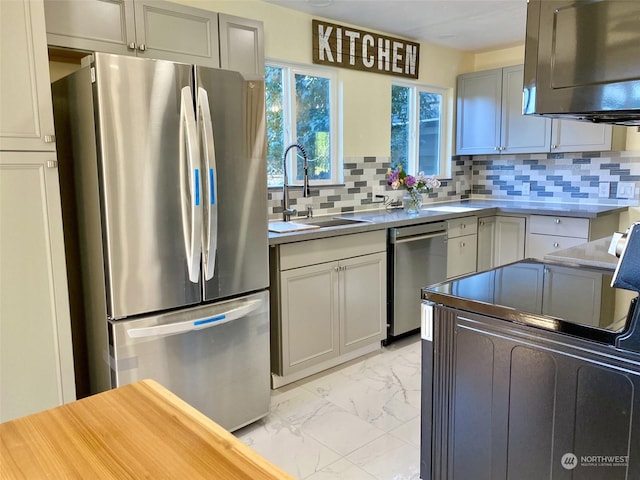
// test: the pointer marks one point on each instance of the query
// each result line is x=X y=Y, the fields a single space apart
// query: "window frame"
x=446 y=125
x=290 y=70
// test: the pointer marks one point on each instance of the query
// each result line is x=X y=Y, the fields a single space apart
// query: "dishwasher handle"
x=415 y=238
x=197 y=324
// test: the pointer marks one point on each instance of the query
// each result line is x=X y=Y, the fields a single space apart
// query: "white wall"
x=366 y=96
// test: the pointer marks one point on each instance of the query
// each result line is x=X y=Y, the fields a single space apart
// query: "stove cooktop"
x=563 y=297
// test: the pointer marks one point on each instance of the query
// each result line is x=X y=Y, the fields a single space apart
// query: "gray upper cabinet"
x=241 y=45
x=489 y=115
x=26 y=114
x=490 y=121
x=576 y=136
x=479 y=112
x=146 y=28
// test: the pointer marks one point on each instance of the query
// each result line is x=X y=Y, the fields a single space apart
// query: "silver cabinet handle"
x=142 y=47
x=497 y=149
x=553 y=147
x=556 y=244
x=557 y=221
x=462 y=244
x=131 y=46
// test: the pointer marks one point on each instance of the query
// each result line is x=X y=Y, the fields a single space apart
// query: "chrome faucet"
x=286 y=211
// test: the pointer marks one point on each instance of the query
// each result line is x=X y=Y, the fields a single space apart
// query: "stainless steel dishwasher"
x=417 y=258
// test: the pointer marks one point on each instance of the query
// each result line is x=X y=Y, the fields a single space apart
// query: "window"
x=421 y=129
x=301 y=108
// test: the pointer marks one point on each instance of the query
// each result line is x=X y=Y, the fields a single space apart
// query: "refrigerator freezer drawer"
x=215 y=357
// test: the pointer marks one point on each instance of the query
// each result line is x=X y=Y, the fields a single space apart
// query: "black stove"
x=566 y=298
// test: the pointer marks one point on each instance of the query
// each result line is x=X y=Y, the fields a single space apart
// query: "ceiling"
x=468 y=25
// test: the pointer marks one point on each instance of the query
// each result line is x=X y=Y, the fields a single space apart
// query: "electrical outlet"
x=526 y=188
x=604 y=189
x=626 y=189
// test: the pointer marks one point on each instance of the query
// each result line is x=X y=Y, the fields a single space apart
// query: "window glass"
x=301 y=108
x=313 y=125
x=275 y=124
x=400 y=126
x=429 y=133
x=420 y=130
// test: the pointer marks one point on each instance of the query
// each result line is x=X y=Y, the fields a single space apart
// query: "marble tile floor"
x=357 y=421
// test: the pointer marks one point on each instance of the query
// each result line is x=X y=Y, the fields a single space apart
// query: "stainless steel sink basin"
x=333 y=222
x=312 y=223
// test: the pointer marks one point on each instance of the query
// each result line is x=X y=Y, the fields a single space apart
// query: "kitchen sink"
x=334 y=222
x=309 y=224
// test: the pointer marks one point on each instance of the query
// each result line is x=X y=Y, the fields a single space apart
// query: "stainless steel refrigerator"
x=164 y=175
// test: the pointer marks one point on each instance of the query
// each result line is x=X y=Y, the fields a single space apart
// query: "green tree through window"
x=300 y=109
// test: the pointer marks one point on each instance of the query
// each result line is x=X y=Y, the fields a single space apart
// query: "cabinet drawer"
x=539 y=245
x=462 y=226
x=462 y=255
x=312 y=252
x=563 y=226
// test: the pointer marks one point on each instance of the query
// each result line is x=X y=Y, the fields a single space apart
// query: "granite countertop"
x=383 y=219
x=591 y=254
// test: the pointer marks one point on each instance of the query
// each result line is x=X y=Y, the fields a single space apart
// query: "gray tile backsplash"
x=571 y=178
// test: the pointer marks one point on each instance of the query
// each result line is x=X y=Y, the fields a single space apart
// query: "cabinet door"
x=169 y=31
x=36 y=371
x=509 y=240
x=575 y=136
x=363 y=302
x=479 y=112
x=309 y=303
x=93 y=25
x=562 y=284
x=486 y=242
x=520 y=133
x=461 y=255
x=26 y=114
x=241 y=45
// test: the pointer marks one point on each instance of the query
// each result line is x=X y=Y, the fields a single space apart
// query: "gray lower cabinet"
x=509 y=401
x=547 y=234
x=501 y=240
x=462 y=246
x=157 y=29
x=328 y=299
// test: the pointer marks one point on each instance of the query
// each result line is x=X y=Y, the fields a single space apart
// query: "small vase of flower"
x=414 y=187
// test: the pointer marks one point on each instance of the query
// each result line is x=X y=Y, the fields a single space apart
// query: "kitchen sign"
x=347 y=47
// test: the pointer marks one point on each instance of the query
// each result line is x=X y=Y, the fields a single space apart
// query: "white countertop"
x=591 y=254
x=382 y=219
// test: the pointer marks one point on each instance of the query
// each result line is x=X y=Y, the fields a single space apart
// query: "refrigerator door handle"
x=190 y=184
x=210 y=232
x=198 y=324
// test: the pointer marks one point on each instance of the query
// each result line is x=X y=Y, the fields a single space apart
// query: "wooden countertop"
x=140 y=430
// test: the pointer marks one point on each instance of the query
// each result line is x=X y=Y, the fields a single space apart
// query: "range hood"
x=582 y=60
